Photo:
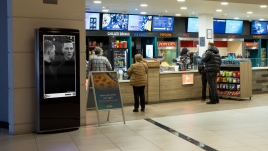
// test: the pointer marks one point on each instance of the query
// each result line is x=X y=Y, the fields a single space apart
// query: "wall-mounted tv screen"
x=92 y=21
x=193 y=25
x=234 y=27
x=219 y=26
x=258 y=28
x=139 y=23
x=115 y=22
x=163 y=24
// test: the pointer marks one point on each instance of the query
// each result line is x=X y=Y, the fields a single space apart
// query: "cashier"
x=184 y=52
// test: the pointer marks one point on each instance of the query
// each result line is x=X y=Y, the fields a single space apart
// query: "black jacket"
x=212 y=59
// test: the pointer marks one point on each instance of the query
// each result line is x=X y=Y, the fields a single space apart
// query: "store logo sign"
x=118 y=33
x=251 y=44
x=140 y=34
x=167 y=44
x=231 y=36
x=166 y=34
x=257 y=36
x=186 y=35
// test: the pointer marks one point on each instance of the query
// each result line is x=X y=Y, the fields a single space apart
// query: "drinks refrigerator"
x=119 y=59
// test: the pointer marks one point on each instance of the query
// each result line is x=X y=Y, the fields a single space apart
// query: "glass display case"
x=119 y=57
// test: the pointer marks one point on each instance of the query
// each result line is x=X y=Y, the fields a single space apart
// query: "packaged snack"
x=238 y=87
x=218 y=79
x=230 y=73
x=224 y=79
x=221 y=86
x=238 y=74
x=221 y=73
x=238 y=80
x=230 y=80
x=218 y=86
x=234 y=80
x=234 y=87
x=235 y=74
x=227 y=73
x=218 y=74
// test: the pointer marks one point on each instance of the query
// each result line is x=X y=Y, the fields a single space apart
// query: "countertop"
x=178 y=72
x=124 y=81
x=259 y=68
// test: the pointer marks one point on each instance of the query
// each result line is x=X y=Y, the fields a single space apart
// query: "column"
x=205 y=24
x=24 y=18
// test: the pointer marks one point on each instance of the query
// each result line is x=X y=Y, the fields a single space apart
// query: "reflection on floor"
x=228 y=126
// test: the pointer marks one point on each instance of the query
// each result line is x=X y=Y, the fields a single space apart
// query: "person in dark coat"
x=184 y=52
x=212 y=59
x=201 y=67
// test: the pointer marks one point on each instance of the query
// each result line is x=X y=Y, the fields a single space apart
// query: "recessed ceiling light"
x=180 y=0
x=247 y=16
x=105 y=10
x=136 y=9
x=249 y=12
x=193 y=12
x=166 y=10
x=263 y=6
x=177 y=14
x=103 y=7
x=143 y=12
x=183 y=7
x=224 y=3
x=144 y=5
x=236 y=18
x=97 y=2
x=261 y=19
x=219 y=10
x=225 y=14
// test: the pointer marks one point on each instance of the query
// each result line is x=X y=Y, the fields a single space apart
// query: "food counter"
x=259 y=80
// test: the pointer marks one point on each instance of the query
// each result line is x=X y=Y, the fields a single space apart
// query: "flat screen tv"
x=139 y=23
x=149 y=51
x=193 y=25
x=163 y=24
x=115 y=22
x=234 y=27
x=219 y=26
x=92 y=21
x=258 y=28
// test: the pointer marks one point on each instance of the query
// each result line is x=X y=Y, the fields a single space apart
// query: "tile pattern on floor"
x=228 y=126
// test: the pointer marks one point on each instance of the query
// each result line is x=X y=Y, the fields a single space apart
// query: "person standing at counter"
x=184 y=52
x=212 y=59
x=201 y=67
x=97 y=62
x=138 y=80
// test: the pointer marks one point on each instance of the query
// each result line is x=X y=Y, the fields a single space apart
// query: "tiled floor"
x=229 y=126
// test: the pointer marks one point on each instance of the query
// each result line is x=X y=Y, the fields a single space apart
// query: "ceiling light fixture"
x=97 y=2
x=218 y=10
x=105 y=10
x=143 y=5
x=247 y=16
x=263 y=6
x=250 y=12
x=261 y=19
x=136 y=9
x=180 y=0
x=177 y=14
x=236 y=18
x=225 y=14
x=183 y=7
x=166 y=10
x=224 y=3
x=103 y=7
x=143 y=12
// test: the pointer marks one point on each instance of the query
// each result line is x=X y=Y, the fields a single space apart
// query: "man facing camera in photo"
x=66 y=71
x=212 y=59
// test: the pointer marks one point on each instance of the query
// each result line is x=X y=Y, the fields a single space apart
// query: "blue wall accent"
x=4 y=61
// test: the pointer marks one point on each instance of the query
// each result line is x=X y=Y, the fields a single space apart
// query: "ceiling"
x=235 y=8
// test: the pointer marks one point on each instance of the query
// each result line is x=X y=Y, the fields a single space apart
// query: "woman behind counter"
x=138 y=80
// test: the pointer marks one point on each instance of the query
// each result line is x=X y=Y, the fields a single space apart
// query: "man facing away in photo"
x=212 y=59
x=49 y=75
x=66 y=70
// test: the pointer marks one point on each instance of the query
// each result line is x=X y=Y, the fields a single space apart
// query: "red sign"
x=231 y=36
x=186 y=35
x=251 y=44
x=167 y=44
